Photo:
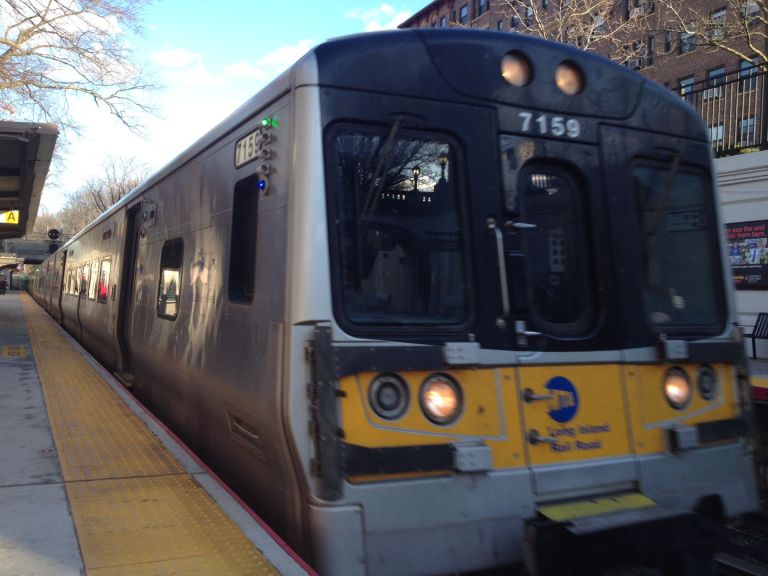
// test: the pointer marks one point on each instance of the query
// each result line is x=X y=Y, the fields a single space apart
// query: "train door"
x=571 y=411
x=60 y=262
x=127 y=291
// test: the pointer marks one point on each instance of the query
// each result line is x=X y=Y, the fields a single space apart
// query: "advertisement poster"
x=748 y=254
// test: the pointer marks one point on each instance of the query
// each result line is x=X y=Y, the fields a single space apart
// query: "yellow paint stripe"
x=136 y=510
x=759 y=381
x=594 y=507
x=13 y=351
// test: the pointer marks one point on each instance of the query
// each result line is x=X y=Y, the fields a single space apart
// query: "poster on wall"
x=748 y=254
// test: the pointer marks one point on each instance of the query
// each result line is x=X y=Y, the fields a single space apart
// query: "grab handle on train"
x=531 y=396
x=534 y=438
x=501 y=321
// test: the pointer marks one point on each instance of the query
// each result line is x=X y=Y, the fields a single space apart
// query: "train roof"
x=460 y=65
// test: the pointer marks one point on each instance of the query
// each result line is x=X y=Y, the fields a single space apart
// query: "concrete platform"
x=91 y=484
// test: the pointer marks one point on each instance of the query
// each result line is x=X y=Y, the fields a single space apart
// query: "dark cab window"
x=170 y=279
x=681 y=266
x=398 y=238
x=554 y=241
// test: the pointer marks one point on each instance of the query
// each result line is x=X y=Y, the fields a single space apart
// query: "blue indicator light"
x=262 y=184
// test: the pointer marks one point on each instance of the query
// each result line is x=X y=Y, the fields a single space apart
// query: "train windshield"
x=681 y=291
x=399 y=238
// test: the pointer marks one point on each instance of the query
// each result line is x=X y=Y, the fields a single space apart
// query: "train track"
x=728 y=565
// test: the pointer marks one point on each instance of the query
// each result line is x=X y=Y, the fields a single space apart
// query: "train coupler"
x=653 y=536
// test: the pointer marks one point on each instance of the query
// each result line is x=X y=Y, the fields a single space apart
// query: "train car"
x=439 y=301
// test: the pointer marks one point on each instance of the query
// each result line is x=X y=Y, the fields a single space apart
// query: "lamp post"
x=416 y=171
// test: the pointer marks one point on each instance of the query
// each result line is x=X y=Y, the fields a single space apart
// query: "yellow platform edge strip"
x=136 y=511
x=594 y=507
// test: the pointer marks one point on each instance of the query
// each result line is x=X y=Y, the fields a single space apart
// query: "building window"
x=717 y=24
x=687 y=42
x=514 y=23
x=751 y=13
x=715 y=81
x=103 y=289
x=651 y=49
x=668 y=37
x=686 y=88
x=500 y=25
x=545 y=4
x=482 y=7
x=748 y=72
x=169 y=287
x=464 y=15
x=637 y=59
x=747 y=131
x=443 y=23
x=716 y=136
x=529 y=16
x=598 y=24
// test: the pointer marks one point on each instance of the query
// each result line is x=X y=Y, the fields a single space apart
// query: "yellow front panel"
x=651 y=414
x=490 y=415
x=585 y=417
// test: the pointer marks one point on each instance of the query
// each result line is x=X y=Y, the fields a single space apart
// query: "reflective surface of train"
x=434 y=302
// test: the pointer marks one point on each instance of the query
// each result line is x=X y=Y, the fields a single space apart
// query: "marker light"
x=515 y=69
x=677 y=388
x=388 y=396
x=440 y=399
x=706 y=380
x=569 y=78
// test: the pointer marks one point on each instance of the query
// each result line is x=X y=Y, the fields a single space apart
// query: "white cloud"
x=385 y=17
x=176 y=58
x=278 y=60
x=245 y=70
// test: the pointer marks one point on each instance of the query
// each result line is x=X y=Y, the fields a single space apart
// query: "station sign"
x=9 y=217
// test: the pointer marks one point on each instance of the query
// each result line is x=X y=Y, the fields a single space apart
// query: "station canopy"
x=26 y=150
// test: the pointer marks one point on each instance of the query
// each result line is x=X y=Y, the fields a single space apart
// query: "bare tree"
x=734 y=26
x=45 y=221
x=101 y=192
x=597 y=25
x=52 y=50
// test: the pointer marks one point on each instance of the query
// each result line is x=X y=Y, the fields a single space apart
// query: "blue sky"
x=209 y=57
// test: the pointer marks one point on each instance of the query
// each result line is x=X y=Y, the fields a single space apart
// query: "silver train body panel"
x=231 y=376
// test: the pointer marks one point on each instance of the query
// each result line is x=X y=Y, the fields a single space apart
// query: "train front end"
x=519 y=331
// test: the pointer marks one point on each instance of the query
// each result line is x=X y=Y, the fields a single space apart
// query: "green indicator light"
x=266 y=122
x=275 y=122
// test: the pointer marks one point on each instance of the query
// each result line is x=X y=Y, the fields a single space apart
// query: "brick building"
x=638 y=36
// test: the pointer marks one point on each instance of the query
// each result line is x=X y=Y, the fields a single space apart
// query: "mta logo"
x=566 y=403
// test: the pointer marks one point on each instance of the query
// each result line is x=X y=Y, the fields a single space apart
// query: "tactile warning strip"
x=136 y=510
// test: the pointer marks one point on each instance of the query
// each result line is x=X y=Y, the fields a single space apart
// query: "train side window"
x=170 y=279
x=242 y=259
x=77 y=279
x=103 y=285
x=85 y=280
x=92 y=280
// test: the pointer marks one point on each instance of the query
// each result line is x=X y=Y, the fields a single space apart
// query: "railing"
x=733 y=106
x=32 y=245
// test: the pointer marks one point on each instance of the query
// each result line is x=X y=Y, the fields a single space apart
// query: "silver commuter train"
x=433 y=301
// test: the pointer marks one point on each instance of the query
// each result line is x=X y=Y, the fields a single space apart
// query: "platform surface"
x=91 y=484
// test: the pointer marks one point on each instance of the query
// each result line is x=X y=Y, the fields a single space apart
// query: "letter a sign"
x=11 y=217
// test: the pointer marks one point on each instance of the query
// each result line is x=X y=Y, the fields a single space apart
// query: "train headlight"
x=388 y=395
x=569 y=78
x=677 y=388
x=515 y=69
x=706 y=380
x=441 y=399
